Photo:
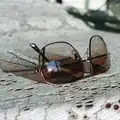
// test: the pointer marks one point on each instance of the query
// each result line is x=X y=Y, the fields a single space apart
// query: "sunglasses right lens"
x=100 y=59
x=63 y=65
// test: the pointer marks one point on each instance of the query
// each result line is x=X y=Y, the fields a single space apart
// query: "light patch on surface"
x=7 y=24
x=44 y=23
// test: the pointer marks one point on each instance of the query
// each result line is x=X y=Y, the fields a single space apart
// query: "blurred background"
x=101 y=15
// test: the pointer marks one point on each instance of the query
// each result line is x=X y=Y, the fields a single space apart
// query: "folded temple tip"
x=35 y=47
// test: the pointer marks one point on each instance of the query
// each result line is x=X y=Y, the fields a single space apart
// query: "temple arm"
x=35 y=47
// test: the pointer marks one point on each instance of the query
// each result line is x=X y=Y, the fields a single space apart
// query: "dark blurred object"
x=97 y=19
x=59 y=1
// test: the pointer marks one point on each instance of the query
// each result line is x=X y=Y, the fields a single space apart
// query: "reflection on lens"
x=100 y=59
x=63 y=65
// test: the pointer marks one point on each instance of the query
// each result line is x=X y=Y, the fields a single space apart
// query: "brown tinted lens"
x=63 y=65
x=100 y=59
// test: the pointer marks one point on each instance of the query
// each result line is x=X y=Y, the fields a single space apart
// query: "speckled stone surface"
x=23 y=22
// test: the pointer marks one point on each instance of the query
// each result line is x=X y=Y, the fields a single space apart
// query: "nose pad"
x=87 y=66
x=76 y=56
x=87 y=53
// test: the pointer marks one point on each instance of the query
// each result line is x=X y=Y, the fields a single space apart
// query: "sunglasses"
x=59 y=62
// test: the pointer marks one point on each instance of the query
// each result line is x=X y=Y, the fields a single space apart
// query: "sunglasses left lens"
x=63 y=65
x=99 y=56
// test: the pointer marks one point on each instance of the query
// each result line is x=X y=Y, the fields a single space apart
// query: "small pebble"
x=108 y=105
x=116 y=107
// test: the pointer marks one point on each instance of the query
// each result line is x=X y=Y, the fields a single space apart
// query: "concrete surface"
x=23 y=22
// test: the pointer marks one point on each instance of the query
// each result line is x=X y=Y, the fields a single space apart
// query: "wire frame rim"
x=62 y=42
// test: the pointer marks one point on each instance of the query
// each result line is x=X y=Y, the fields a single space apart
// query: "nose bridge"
x=86 y=66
